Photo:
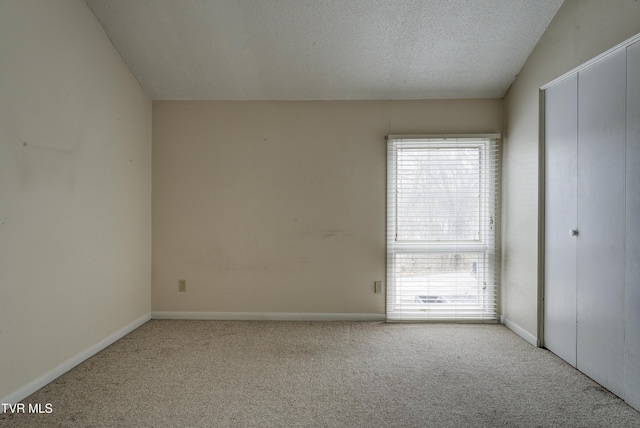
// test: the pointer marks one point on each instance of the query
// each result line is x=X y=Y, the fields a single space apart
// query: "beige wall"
x=581 y=30
x=280 y=206
x=75 y=189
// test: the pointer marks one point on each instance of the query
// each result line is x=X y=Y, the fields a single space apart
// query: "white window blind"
x=442 y=210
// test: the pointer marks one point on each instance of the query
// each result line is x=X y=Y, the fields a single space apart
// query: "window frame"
x=486 y=243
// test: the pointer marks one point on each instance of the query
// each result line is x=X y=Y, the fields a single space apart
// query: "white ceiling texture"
x=324 y=49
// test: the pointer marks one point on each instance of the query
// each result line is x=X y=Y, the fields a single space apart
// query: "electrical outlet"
x=378 y=287
x=182 y=285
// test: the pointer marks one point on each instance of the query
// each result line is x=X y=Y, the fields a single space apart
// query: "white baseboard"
x=519 y=331
x=264 y=316
x=30 y=388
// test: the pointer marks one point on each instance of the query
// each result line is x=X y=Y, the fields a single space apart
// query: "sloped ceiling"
x=324 y=49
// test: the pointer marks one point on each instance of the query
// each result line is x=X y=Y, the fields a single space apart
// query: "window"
x=441 y=223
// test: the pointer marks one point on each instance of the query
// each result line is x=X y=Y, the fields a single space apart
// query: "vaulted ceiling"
x=324 y=49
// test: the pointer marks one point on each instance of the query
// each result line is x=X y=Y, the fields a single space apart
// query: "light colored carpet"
x=323 y=374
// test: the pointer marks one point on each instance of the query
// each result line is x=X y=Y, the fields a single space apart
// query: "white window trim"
x=487 y=240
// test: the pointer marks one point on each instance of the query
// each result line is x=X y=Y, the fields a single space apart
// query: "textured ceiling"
x=324 y=49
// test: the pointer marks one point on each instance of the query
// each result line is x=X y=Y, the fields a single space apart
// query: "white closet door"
x=561 y=145
x=601 y=220
x=632 y=309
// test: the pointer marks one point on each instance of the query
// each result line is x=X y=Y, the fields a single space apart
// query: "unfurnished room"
x=319 y=213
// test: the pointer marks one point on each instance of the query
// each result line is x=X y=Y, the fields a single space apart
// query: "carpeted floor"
x=323 y=374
